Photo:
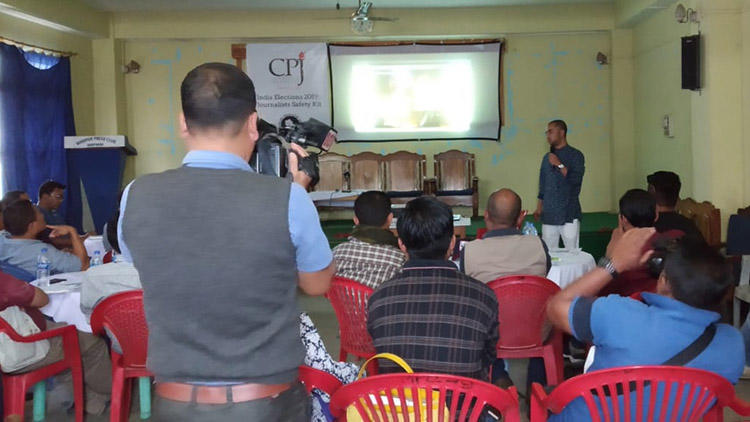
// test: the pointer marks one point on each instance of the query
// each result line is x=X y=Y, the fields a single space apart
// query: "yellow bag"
x=381 y=400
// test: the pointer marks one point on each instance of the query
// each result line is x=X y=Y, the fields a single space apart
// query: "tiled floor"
x=322 y=315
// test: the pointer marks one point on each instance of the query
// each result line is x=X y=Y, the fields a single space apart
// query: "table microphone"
x=347 y=181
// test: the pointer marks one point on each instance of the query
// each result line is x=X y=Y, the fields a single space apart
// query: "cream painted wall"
x=657 y=81
x=710 y=145
x=547 y=77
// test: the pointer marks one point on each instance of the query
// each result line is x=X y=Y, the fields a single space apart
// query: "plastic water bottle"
x=96 y=259
x=42 y=264
x=529 y=229
x=115 y=257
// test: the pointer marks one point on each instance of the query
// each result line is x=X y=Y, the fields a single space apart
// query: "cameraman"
x=657 y=331
x=220 y=251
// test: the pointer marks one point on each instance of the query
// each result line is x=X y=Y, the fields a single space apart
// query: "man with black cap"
x=665 y=186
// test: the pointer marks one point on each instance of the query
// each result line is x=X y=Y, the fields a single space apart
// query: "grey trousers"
x=292 y=405
x=97 y=367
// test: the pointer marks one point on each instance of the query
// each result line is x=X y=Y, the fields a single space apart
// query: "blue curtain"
x=100 y=171
x=36 y=112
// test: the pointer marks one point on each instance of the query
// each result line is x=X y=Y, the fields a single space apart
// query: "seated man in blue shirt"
x=24 y=222
x=51 y=196
x=627 y=332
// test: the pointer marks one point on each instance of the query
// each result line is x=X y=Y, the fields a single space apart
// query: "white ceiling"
x=173 y=5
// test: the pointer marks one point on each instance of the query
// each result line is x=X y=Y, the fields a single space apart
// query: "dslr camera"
x=271 y=155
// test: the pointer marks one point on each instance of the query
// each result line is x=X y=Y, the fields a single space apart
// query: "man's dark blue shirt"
x=560 y=193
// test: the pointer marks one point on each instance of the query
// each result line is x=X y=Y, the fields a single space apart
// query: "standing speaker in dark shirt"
x=560 y=179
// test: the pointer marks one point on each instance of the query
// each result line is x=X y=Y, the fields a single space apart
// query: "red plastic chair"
x=384 y=396
x=711 y=391
x=123 y=318
x=522 y=301
x=315 y=378
x=16 y=385
x=349 y=301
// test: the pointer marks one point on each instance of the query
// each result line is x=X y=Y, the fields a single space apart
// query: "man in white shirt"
x=105 y=280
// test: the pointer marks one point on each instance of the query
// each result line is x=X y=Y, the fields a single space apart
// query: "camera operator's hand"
x=627 y=253
x=299 y=176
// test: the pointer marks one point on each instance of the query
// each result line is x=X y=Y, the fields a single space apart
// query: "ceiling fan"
x=361 y=20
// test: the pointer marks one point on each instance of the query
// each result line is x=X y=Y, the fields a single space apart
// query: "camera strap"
x=694 y=349
x=682 y=358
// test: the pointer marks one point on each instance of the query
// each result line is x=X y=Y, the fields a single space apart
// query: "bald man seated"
x=504 y=250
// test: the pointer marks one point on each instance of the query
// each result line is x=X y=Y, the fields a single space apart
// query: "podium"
x=95 y=168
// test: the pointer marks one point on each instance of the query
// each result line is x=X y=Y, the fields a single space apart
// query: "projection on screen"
x=415 y=92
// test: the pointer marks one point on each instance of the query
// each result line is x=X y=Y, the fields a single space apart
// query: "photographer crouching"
x=221 y=250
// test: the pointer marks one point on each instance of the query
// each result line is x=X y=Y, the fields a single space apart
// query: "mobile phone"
x=56 y=280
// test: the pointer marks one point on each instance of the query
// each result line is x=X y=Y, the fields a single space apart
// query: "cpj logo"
x=286 y=67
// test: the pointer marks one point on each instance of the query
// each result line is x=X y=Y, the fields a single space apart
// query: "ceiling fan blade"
x=381 y=19
x=340 y=18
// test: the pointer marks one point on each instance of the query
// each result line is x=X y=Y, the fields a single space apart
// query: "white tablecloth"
x=65 y=300
x=461 y=222
x=568 y=266
x=93 y=244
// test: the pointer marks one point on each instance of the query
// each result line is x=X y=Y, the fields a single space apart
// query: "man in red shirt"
x=97 y=368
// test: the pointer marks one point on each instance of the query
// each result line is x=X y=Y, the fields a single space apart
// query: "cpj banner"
x=290 y=80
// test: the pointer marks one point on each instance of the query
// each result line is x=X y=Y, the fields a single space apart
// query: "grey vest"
x=217 y=264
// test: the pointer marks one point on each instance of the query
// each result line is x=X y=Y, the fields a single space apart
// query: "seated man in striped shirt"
x=371 y=256
x=433 y=316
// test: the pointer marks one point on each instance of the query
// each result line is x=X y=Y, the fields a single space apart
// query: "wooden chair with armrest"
x=705 y=216
x=455 y=176
x=404 y=175
x=367 y=172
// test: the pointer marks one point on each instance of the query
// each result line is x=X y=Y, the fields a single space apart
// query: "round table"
x=567 y=266
x=64 y=300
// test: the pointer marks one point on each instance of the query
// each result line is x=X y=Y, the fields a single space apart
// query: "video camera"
x=271 y=155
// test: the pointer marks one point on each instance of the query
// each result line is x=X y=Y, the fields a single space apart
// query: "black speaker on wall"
x=691 y=62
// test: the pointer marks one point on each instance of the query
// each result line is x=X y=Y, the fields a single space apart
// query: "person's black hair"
x=560 y=124
x=112 y=232
x=217 y=96
x=666 y=187
x=49 y=186
x=11 y=197
x=425 y=227
x=638 y=207
x=372 y=208
x=17 y=216
x=697 y=274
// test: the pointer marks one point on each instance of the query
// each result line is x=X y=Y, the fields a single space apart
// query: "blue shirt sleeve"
x=575 y=174
x=612 y=320
x=62 y=262
x=579 y=318
x=313 y=252
x=541 y=178
x=124 y=251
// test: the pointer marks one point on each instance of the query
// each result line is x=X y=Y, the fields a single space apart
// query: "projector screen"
x=416 y=92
